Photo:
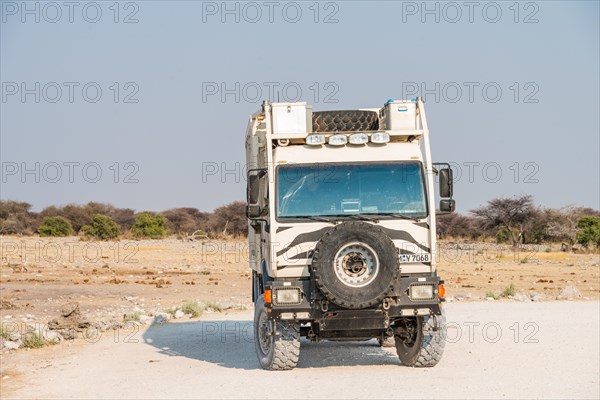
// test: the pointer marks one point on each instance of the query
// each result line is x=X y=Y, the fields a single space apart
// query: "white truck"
x=342 y=232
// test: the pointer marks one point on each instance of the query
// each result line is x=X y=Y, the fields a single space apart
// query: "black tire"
x=281 y=350
x=387 y=342
x=330 y=282
x=426 y=347
x=345 y=121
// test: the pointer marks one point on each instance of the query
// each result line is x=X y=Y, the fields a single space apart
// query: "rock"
x=70 y=322
x=7 y=305
x=450 y=299
x=520 y=297
x=490 y=299
x=537 y=296
x=179 y=314
x=146 y=319
x=14 y=336
x=569 y=292
x=10 y=345
x=53 y=336
x=462 y=296
x=69 y=309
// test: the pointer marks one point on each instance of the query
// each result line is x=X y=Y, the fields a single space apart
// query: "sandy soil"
x=109 y=279
x=515 y=350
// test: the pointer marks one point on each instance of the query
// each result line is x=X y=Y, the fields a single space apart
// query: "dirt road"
x=517 y=350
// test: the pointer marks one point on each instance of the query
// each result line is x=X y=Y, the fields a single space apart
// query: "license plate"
x=415 y=258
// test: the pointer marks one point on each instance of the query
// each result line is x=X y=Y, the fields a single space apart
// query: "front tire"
x=387 y=342
x=420 y=341
x=276 y=352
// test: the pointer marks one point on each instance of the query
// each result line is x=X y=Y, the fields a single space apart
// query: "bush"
x=192 y=308
x=4 y=334
x=149 y=225
x=510 y=290
x=588 y=231
x=135 y=317
x=102 y=227
x=33 y=341
x=55 y=226
x=502 y=236
x=213 y=305
x=186 y=220
x=491 y=294
x=15 y=218
x=230 y=219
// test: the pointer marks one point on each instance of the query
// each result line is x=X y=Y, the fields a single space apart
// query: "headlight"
x=315 y=140
x=359 y=138
x=287 y=295
x=338 y=140
x=421 y=292
x=380 y=137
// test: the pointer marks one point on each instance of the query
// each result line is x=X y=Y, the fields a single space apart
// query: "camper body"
x=342 y=237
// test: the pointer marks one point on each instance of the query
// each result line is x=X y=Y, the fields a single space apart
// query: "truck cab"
x=342 y=235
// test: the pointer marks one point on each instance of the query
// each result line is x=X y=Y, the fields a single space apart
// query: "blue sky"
x=512 y=92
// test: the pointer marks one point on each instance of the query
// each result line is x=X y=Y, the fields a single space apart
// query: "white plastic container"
x=399 y=115
x=291 y=118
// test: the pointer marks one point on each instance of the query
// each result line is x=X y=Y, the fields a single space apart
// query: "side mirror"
x=447 y=205
x=445 y=176
x=253 y=209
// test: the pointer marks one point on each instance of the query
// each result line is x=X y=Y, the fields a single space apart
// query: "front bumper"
x=313 y=307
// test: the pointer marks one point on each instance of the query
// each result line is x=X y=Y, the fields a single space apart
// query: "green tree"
x=55 y=226
x=588 y=231
x=149 y=225
x=102 y=227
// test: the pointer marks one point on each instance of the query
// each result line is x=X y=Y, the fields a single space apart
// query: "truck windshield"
x=393 y=189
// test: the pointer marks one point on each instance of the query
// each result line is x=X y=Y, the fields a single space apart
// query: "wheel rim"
x=356 y=264
x=264 y=339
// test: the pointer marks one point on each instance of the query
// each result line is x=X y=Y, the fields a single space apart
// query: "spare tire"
x=355 y=265
x=345 y=121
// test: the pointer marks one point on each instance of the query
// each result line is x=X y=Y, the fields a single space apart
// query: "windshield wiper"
x=313 y=218
x=397 y=215
x=359 y=217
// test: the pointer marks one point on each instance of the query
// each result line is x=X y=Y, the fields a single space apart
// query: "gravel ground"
x=517 y=350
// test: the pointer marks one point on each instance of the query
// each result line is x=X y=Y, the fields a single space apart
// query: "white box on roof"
x=399 y=115
x=291 y=118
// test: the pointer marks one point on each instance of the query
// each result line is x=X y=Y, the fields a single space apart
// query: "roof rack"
x=398 y=118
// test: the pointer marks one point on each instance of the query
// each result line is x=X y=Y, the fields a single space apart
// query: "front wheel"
x=420 y=341
x=276 y=351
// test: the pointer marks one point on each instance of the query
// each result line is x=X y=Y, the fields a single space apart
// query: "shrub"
x=502 y=236
x=4 y=333
x=102 y=227
x=186 y=220
x=230 y=219
x=135 y=317
x=192 y=308
x=213 y=305
x=491 y=294
x=15 y=218
x=588 y=231
x=33 y=341
x=510 y=290
x=55 y=226
x=149 y=225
